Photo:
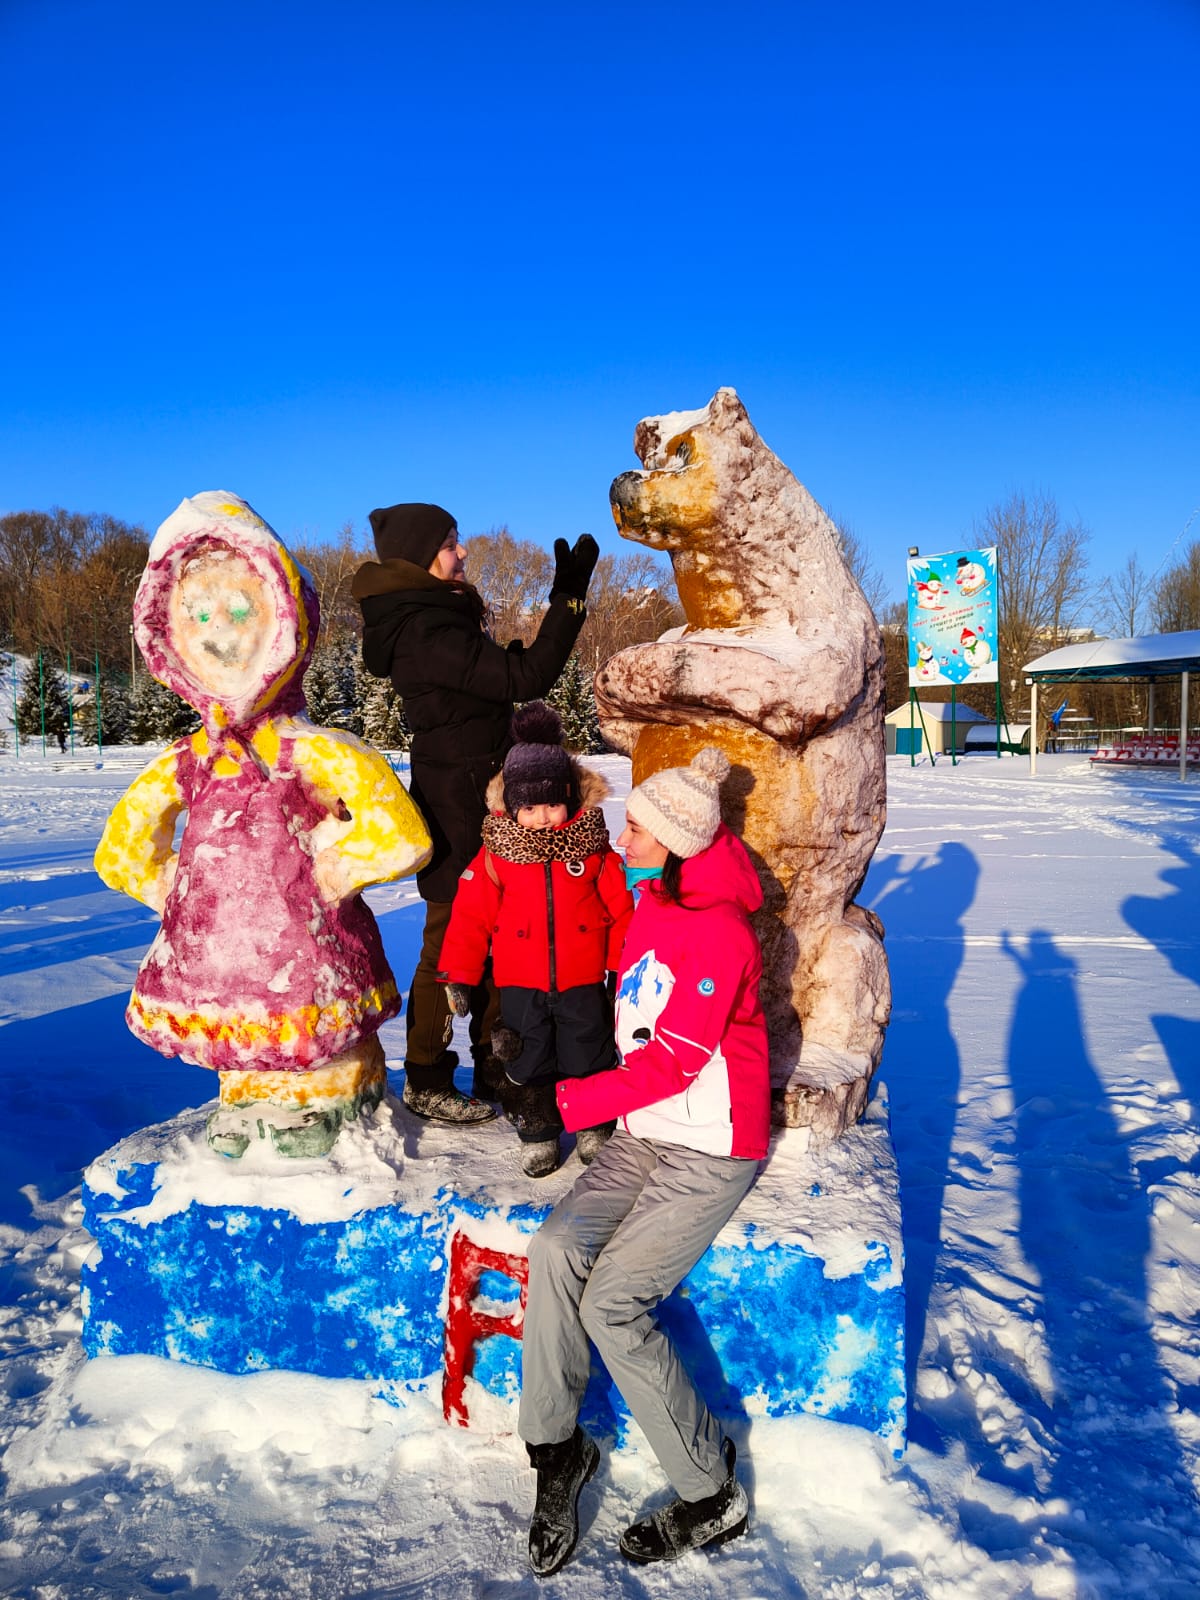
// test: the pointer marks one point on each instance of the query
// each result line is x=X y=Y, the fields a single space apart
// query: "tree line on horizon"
x=67 y=581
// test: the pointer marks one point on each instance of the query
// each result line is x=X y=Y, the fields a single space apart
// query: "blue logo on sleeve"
x=706 y=986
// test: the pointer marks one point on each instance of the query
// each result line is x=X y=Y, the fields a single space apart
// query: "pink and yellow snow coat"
x=267 y=958
x=690 y=1026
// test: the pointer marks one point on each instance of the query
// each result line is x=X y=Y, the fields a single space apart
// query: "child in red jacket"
x=547 y=894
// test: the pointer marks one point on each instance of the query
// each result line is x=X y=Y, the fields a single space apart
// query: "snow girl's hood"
x=218 y=521
x=722 y=872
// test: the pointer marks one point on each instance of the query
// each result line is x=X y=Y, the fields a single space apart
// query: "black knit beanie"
x=537 y=770
x=411 y=532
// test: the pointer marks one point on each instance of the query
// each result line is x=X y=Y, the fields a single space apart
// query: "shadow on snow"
x=923 y=907
x=1085 y=1230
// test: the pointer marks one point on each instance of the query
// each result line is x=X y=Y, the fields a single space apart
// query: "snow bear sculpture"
x=268 y=966
x=781 y=664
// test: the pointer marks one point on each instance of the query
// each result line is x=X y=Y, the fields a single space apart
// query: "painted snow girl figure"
x=268 y=966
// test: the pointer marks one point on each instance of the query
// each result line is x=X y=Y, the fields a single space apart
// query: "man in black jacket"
x=424 y=628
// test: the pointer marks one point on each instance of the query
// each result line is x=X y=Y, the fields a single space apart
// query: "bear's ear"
x=726 y=406
x=647 y=442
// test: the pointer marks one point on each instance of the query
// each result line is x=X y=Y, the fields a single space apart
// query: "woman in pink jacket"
x=692 y=1094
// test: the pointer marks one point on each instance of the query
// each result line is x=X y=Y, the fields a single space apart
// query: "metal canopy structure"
x=1153 y=656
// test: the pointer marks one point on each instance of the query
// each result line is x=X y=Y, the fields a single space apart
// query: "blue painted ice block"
x=339 y=1266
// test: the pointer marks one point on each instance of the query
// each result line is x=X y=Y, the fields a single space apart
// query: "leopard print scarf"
x=585 y=836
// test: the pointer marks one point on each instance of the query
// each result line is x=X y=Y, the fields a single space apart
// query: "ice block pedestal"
x=400 y=1258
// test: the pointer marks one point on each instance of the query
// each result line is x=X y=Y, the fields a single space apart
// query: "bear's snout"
x=624 y=490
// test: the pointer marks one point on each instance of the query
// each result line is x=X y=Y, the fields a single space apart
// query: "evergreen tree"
x=329 y=682
x=141 y=709
x=575 y=701
x=177 y=719
x=85 y=718
x=360 y=684
x=156 y=714
x=383 y=721
x=43 y=687
x=115 y=714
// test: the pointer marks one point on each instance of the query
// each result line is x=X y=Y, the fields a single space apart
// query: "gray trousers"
x=635 y=1224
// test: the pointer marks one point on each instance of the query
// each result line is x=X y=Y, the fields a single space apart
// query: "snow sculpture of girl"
x=268 y=966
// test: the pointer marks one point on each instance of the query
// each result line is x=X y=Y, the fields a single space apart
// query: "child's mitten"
x=459 y=997
x=506 y=1043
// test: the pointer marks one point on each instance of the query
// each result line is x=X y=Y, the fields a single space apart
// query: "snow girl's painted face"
x=541 y=816
x=641 y=848
x=448 y=563
x=222 y=621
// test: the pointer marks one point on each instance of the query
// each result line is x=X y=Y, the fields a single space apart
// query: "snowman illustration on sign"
x=970 y=578
x=928 y=665
x=268 y=966
x=977 y=652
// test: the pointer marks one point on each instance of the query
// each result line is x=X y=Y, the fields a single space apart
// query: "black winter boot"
x=429 y=1093
x=562 y=1470
x=590 y=1141
x=539 y=1157
x=690 y=1524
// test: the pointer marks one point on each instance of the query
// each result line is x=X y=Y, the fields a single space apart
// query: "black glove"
x=573 y=567
x=459 y=997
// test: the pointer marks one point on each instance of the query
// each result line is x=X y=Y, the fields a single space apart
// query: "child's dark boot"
x=539 y=1157
x=531 y=1109
x=590 y=1141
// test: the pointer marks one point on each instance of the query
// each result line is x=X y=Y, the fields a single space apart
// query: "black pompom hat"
x=537 y=770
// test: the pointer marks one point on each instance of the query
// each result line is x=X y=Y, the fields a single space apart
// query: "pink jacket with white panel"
x=690 y=1029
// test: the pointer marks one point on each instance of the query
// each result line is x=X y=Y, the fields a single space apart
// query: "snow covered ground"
x=1044 y=1071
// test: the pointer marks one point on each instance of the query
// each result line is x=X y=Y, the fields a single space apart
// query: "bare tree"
x=35 y=542
x=893 y=624
x=331 y=567
x=1123 y=599
x=514 y=577
x=631 y=600
x=1175 y=606
x=1041 y=566
x=631 y=597
x=858 y=558
x=67 y=582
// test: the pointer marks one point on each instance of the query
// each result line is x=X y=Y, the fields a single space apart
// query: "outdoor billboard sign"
x=952 y=618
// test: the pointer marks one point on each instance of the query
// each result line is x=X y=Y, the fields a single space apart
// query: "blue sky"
x=330 y=256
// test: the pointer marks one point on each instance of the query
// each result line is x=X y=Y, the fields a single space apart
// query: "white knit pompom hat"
x=681 y=806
